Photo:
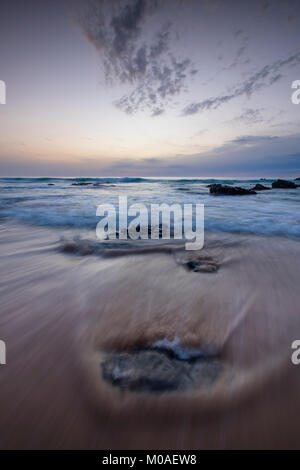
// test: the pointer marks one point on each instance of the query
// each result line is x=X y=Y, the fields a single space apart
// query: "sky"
x=149 y=88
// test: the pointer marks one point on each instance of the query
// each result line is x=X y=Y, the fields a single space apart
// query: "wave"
x=76 y=179
x=180 y=351
x=59 y=202
x=130 y=179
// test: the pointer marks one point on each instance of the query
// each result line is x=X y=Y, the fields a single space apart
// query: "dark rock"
x=297 y=179
x=51 y=184
x=261 y=187
x=81 y=184
x=150 y=370
x=284 y=184
x=223 y=189
x=199 y=266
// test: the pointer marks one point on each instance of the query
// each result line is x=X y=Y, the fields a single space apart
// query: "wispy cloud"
x=266 y=76
x=252 y=140
x=136 y=50
x=249 y=117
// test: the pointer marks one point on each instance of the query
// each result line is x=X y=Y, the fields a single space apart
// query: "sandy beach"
x=62 y=314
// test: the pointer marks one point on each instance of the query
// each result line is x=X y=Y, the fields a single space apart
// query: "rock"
x=261 y=187
x=284 y=184
x=198 y=263
x=297 y=179
x=202 y=266
x=158 y=371
x=80 y=184
x=51 y=184
x=223 y=189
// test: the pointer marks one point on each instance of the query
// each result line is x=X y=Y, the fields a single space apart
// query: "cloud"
x=249 y=117
x=266 y=76
x=136 y=50
x=252 y=140
x=157 y=111
x=260 y=155
x=237 y=60
x=250 y=154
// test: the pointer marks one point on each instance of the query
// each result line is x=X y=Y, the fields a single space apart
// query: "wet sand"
x=63 y=313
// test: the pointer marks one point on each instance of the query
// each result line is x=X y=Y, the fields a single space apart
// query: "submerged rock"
x=261 y=187
x=224 y=189
x=81 y=184
x=284 y=184
x=157 y=371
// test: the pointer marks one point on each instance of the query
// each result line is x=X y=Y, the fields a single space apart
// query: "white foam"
x=180 y=351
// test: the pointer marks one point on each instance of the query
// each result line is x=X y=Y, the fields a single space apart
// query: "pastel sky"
x=149 y=88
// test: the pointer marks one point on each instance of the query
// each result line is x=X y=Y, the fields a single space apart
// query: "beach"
x=149 y=229
x=72 y=312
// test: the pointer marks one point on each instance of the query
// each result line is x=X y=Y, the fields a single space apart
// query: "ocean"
x=72 y=202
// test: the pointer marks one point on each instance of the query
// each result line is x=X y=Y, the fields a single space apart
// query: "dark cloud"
x=265 y=77
x=137 y=51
